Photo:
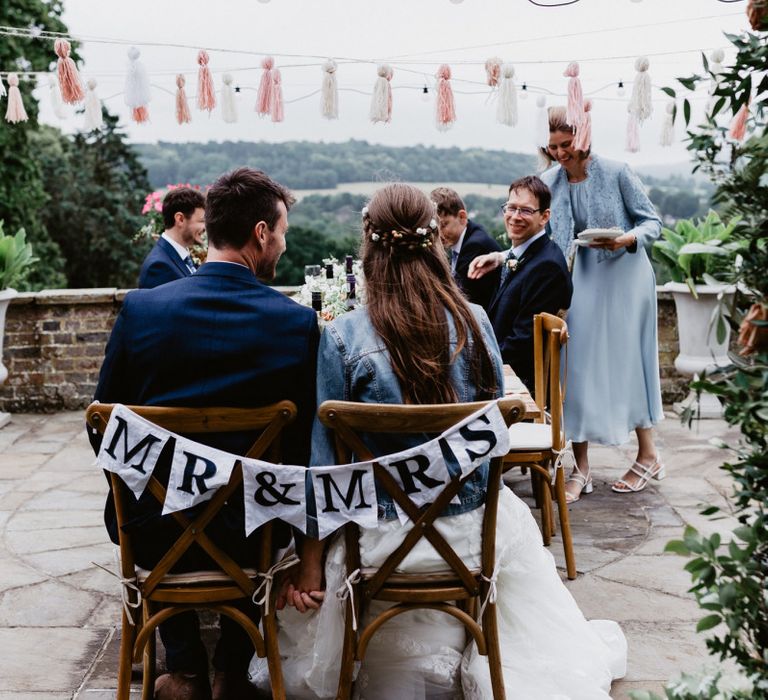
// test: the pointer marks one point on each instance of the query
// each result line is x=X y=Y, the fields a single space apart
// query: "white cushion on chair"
x=530 y=436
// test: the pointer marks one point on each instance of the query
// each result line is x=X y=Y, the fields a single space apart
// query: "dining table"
x=514 y=388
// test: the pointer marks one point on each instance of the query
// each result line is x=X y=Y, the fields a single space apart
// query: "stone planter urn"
x=5 y=298
x=699 y=349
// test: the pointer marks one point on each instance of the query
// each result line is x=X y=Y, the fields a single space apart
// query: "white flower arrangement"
x=334 y=290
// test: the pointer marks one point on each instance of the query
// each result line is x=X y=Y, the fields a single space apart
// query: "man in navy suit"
x=534 y=275
x=220 y=337
x=184 y=221
x=464 y=240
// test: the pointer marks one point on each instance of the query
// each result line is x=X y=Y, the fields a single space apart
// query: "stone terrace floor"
x=59 y=612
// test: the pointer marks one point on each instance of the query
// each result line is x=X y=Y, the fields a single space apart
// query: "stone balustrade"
x=55 y=339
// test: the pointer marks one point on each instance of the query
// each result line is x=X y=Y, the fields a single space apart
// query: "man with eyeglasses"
x=464 y=240
x=534 y=274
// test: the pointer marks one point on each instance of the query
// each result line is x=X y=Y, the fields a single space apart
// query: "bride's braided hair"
x=401 y=238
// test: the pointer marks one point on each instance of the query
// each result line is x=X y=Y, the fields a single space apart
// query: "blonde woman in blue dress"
x=613 y=382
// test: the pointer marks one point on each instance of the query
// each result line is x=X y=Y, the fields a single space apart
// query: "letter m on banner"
x=130 y=448
x=344 y=493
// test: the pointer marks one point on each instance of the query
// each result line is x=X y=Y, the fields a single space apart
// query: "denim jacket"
x=354 y=365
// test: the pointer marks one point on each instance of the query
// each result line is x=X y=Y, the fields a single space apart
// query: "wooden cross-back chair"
x=161 y=594
x=454 y=590
x=538 y=445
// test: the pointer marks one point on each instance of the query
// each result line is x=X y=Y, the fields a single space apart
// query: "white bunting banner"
x=343 y=494
x=478 y=437
x=130 y=448
x=274 y=491
x=197 y=471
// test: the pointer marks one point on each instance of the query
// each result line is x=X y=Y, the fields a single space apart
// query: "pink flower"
x=147 y=206
x=156 y=196
x=158 y=206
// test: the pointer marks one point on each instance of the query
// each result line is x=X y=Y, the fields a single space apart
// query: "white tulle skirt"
x=549 y=651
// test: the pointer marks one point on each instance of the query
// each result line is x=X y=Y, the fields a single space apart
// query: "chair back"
x=268 y=422
x=349 y=420
x=550 y=336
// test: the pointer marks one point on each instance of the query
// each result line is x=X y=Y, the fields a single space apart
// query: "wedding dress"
x=548 y=650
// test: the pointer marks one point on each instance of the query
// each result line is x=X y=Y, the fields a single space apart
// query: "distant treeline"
x=307 y=165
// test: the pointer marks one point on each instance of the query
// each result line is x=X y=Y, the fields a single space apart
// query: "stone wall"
x=54 y=345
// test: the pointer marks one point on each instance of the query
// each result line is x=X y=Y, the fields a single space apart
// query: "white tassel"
x=506 y=107
x=632 y=144
x=93 y=116
x=640 y=102
x=137 y=88
x=668 y=130
x=381 y=102
x=541 y=130
x=329 y=96
x=228 y=104
x=58 y=105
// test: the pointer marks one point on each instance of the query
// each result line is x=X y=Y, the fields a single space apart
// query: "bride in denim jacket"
x=419 y=341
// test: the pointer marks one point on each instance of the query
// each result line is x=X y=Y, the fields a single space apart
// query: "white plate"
x=592 y=233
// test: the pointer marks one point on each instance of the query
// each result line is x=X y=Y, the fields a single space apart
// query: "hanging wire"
x=559 y=4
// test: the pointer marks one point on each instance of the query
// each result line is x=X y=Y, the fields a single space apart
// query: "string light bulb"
x=524 y=92
x=425 y=94
x=620 y=88
x=456 y=2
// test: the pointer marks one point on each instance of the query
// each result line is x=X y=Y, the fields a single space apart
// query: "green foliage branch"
x=16 y=258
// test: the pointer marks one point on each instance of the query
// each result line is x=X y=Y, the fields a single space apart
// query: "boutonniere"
x=512 y=264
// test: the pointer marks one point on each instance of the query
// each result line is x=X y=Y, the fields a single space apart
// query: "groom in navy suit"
x=184 y=221
x=534 y=275
x=220 y=337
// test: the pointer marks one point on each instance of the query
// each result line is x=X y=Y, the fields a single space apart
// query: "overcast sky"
x=605 y=36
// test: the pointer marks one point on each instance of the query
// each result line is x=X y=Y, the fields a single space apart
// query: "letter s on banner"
x=130 y=448
x=344 y=493
x=478 y=437
x=274 y=491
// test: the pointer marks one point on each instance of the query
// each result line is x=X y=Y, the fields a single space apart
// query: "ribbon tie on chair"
x=126 y=584
x=346 y=591
x=268 y=577
x=560 y=458
x=492 y=590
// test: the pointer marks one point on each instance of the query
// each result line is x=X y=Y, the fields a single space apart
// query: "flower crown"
x=400 y=239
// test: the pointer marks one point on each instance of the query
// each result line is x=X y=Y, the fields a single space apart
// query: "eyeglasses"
x=525 y=212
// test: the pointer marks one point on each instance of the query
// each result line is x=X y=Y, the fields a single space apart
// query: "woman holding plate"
x=602 y=218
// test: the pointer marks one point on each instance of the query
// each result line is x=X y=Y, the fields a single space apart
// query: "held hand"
x=623 y=241
x=483 y=264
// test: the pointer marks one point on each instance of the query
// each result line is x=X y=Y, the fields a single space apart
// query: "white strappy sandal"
x=654 y=471
x=584 y=482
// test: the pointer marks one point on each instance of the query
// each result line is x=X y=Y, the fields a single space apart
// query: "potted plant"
x=698 y=255
x=15 y=261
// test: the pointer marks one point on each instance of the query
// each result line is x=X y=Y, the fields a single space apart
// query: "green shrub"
x=16 y=258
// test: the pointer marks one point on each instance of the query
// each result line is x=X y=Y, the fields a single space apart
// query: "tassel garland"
x=506 y=107
x=15 y=112
x=381 y=102
x=640 y=102
x=329 y=95
x=206 y=96
x=182 y=104
x=69 y=79
x=738 y=129
x=493 y=71
x=583 y=139
x=446 y=108
x=93 y=116
x=3 y=93
x=633 y=133
x=574 y=110
x=276 y=110
x=264 y=95
x=58 y=106
x=137 y=89
x=228 y=104
x=668 y=129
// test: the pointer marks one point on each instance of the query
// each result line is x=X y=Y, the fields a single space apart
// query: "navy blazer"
x=162 y=265
x=540 y=283
x=476 y=242
x=219 y=337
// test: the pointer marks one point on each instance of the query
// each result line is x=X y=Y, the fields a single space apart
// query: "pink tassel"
x=493 y=71
x=583 y=139
x=182 y=105
x=738 y=128
x=277 y=96
x=574 y=111
x=264 y=96
x=140 y=115
x=206 y=96
x=15 y=112
x=446 y=110
x=633 y=133
x=69 y=79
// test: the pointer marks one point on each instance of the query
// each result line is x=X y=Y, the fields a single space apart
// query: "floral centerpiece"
x=334 y=290
x=154 y=226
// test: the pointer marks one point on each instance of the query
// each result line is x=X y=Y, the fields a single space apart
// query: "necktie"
x=190 y=265
x=454 y=259
x=505 y=267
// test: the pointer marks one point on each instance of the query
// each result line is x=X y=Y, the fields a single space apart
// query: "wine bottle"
x=329 y=271
x=348 y=261
x=351 y=297
x=317 y=301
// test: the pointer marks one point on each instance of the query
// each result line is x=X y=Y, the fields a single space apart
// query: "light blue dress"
x=612 y=362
